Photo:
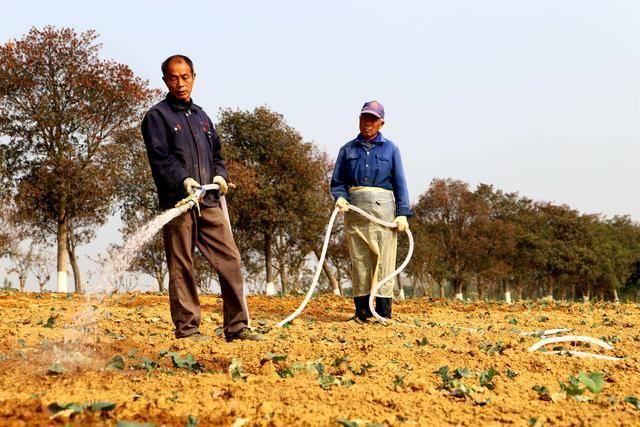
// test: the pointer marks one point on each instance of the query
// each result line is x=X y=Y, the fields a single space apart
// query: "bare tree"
x=43 y=265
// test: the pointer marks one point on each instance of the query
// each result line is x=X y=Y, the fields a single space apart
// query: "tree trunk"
x=400 y=287
x=615 y=295
x=62 y=257
x=457 y=288
x=159 y=276
x=549 y=293
x=42 y=285
x=77 y=277
x=22 y=283
x=441 y=286
x=335 y=285
x=507 y=291
x=268 y=255
x=481 y=289
x=283 y=274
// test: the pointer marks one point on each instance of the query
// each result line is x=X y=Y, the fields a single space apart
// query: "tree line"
x=71 y=156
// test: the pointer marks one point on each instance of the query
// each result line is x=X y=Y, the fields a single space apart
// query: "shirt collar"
x=378 y=140
x=178 y=104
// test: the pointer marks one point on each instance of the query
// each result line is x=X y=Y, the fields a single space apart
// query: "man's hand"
x=402 y=223
x=191 y=198
x=342 y=204
x=191 y=185
x=222 y=183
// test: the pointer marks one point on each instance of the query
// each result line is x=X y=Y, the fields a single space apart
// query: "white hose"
x=375 y=287
x=570 y=338
x=547 y=332
x=584 y=354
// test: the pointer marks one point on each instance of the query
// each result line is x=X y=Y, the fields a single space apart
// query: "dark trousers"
x=210 y=233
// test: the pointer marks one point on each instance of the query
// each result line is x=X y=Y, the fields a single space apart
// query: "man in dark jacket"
x=184 y=150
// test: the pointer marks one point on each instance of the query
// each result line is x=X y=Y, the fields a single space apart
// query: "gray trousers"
x=211 y=235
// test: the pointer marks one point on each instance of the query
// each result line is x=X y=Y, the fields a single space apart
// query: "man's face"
x=370 y=125
x=179 y=80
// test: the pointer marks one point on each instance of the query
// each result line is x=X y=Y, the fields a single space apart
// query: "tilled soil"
x=323 y=369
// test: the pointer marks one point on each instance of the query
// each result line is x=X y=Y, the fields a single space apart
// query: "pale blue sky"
x=540 y=97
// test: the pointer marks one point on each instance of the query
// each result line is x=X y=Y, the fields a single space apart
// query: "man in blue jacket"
x=184 y=150
x=369 y=174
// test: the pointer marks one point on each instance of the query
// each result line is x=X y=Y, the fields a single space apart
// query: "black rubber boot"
x=362 y=308
x=383 y=307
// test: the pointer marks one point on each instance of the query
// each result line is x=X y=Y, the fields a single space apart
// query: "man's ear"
x=382 y=124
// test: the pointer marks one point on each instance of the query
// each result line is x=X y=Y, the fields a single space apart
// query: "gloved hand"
x=222 y=183
x=191 y=198
x=342 y=204
x=191 y=185
x=402 y=223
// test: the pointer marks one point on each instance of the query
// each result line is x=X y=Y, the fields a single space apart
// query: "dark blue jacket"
x=378 y=166
x=181 y=142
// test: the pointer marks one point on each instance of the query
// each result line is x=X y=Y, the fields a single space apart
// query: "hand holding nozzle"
x=192 y=200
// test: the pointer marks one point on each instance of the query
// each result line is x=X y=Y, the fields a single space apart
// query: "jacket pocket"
x=382 y=166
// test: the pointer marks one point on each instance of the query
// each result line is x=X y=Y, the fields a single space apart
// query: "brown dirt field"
x=373 y=374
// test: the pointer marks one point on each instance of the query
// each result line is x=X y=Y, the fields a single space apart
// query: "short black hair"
x=165 y=64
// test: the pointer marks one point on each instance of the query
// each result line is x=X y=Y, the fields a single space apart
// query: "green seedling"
x=486 y=377
x=577 y=386
x=345 y=422
x=491 y=348
x=340 y=360
x=511 y=374
x=455 y=387
x=633 y=401
x=398 y=382
x=236 y=372
x=116 y=362
x=273 y=357
x=422 y=342
x=189 y=362
x=363 y=369
x=76 y=408
x=285 y=373
x=326 y=381
x=594 y=381
x=115 y=336
x=543 y=392
x=50 y=321
x=192 y=421
x=462 y=373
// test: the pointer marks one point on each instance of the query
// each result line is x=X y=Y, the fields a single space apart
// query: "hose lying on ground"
x=584 y=354
x=374 y=288
x=570 y=338
x=575 y=338
x=546 y=332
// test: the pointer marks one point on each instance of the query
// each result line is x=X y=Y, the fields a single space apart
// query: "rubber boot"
x=362 y=308
x=383 y=307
